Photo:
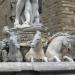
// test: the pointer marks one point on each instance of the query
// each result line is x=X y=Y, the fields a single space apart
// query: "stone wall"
x=6 y=13
x=56 y=14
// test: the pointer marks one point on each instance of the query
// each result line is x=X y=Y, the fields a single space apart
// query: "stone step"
x=37 y=66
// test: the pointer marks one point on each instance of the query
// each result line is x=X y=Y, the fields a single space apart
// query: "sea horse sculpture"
x=13 y=53
x=56 y=46
x=36 y=51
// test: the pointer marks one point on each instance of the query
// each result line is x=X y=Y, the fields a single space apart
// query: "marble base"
x=26 y=34
x=29 y=28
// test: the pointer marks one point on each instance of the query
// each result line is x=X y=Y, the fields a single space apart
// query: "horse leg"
x=68 y=58
x=32 y=59
x=54 y=58
x=57 y=59
x=45 y=59
x=19 y=57
x=4 y=56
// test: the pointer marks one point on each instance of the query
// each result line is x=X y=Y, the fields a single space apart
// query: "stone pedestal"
x=25 y=36
x=37 y=68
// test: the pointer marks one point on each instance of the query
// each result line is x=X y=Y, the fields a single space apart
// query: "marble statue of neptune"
x=27 y=12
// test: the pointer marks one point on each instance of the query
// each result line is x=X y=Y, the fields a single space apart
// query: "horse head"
x=58 y=34
x=14 y=40
x=36 y=40
x=68 y=42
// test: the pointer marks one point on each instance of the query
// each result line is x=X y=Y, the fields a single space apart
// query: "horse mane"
x=57 y=35
x=61 y=34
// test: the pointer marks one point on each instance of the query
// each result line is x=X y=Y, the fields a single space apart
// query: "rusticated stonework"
x=56 y=14
x=7 y=13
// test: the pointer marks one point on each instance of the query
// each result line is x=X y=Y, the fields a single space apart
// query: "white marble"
x=30 y=13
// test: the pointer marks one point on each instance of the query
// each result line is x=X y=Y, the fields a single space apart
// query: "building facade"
x=56 y=15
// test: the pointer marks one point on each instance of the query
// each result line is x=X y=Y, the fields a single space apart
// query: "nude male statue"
x=27 y=9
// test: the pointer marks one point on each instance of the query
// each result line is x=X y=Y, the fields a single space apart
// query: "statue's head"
x=36 y=40
x=6 y=30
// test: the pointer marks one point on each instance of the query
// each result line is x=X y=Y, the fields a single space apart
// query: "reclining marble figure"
x=27 y=12
x=13 y=52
